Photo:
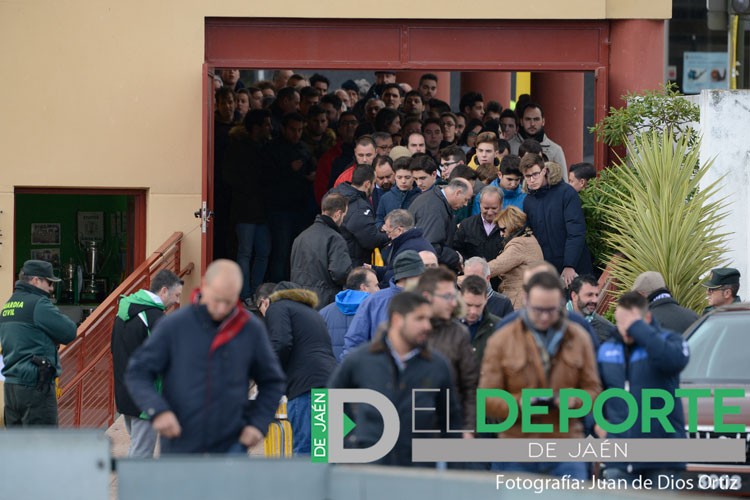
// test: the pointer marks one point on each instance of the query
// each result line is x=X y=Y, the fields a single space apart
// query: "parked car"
x=720 y=357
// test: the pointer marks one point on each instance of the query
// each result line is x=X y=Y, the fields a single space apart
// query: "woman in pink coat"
x=521 y=249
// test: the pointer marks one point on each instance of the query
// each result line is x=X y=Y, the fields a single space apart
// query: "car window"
x=719 y=350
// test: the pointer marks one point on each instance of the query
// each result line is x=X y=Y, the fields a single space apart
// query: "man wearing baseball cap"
x=722 y=288
x=31 y=329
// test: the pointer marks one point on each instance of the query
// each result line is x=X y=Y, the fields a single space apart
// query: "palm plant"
x=659 y=220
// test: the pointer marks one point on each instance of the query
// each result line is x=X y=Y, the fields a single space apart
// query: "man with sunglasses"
x=31 y=329
x=722 y=288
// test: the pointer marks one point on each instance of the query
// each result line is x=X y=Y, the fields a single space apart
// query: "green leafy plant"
x=658 y=219
x=662 y=109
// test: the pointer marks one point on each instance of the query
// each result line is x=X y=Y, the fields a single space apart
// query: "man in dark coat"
x=206 y=354
x=320 y=258
x=433 y=213
x=401 y=195
x=399 y=227
x=497 y=303
x=480 y=322
x=664 y=308
x=300 y=339
x=478 y=235
x=290 y=203
x=358 y=229
x=396 y=362
x=249 y=178
x=555 y=215
x=137 y=314
x=450 y=338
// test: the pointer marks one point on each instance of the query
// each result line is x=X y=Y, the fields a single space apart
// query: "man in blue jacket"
x=206 y=354
x=373 y=311
x=639 y=355
x=555 y=215
x=360 y=283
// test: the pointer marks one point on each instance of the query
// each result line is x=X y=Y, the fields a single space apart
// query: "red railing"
x=87 y=397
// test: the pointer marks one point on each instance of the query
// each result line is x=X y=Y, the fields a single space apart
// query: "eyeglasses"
x=534 y=175
x=448 y=297
x=448 y=164
x=502 y=229
x=541 y=311
x=716 y=289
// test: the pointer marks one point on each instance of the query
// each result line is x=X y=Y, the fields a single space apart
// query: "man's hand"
x=167 y=425
x=297 y=165
x=250 y=436
x=624 y=318
x=568 y=275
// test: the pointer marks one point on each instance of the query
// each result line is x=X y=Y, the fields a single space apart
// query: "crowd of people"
x=381 y=241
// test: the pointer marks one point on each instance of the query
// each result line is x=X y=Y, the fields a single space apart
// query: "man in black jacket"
x=320 y=258
x=249 y=178
x=299 y=336
x=664 y=308
x=478 y=235
x=433 y=213
x=358 y=229
x=290 y=204
x=137 y=315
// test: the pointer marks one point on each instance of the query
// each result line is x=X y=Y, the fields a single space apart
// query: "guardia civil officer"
x=31 y=330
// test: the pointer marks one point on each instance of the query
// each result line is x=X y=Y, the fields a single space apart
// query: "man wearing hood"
x=407 y=268
x=360 y=283
x=532 y=127
x=137 y=315
x=300 y=339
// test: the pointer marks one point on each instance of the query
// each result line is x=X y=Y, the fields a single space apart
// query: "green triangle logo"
x=348 y=424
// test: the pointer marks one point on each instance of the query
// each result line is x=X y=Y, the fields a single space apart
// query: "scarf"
x=229 y=326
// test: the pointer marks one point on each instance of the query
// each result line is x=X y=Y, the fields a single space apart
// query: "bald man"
x=202 y=357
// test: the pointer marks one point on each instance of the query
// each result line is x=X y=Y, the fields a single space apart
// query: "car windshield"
x=719 y=350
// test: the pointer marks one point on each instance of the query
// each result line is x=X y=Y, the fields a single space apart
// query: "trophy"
x=67 y=290
x=92 y=265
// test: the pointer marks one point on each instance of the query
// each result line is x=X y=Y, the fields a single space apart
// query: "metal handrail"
x=86 y=385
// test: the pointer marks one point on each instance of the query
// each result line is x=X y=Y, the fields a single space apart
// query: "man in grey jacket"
x=433 y=213
x=320 y=259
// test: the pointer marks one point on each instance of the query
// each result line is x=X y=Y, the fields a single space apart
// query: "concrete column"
x=561 y=97
x=493 y=85
x=444 y=82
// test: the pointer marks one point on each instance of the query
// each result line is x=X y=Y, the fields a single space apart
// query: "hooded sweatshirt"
x=339 y=315
x=136 y=316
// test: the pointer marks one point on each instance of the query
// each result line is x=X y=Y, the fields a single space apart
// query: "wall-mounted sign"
x=704 y=70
